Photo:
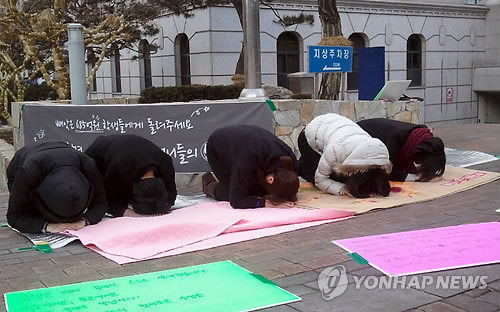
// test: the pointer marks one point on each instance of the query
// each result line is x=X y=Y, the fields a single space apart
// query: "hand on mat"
x=287 y=204
x=131 y=213
x=410 y=177
x=61 y=227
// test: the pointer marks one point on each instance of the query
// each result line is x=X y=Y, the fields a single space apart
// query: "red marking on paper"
x=466 y=177
x=395 y=189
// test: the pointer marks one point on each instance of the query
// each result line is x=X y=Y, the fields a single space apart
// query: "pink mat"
x=199 y=227
x=429 y=250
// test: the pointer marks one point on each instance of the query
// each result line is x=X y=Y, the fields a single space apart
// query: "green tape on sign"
x=220 y=286
x=43 y=247
x=263 y=279
x=271 y=105
x=4 y=224
x=358 y=258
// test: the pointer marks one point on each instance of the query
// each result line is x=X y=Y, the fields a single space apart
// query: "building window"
x=183 y=60
x=116 y=70
x=414 y=60
x=145 y=64
x=91 y=61
x=288 y=57
x=358 y=41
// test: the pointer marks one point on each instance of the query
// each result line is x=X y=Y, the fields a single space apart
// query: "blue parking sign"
x=325 y=59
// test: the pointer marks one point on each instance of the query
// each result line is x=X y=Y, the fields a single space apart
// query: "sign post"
x=328 y=59
x=343 y=86
x=316 y=83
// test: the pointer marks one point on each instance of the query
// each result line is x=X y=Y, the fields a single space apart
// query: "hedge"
x=39 y=92
x=189 y=93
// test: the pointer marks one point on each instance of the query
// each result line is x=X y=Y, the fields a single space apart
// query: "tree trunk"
x=331 y=27
x=240 y=66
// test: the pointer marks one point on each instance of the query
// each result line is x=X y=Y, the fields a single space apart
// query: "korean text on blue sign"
x=324 y=59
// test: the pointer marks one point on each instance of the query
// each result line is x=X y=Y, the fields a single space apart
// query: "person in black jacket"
x=254 y=168
x=135 y=171
x=415 y=152
x=53 y=188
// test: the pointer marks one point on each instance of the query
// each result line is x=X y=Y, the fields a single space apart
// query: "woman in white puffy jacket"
x=341 y=158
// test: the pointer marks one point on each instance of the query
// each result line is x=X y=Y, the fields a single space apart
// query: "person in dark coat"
x=416 y=154
x=53 y=188
x=254 y=168
x=135 y=171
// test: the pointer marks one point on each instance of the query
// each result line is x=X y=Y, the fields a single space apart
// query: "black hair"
x=371 y=182
x=286 y=183
x=430 y=159
x=149 y=197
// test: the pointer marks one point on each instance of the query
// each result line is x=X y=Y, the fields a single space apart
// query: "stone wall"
x=292 y=116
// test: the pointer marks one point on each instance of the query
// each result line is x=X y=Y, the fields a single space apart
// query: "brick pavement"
x=294 y=260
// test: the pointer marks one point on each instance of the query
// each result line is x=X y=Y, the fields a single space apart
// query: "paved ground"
x=294 y=260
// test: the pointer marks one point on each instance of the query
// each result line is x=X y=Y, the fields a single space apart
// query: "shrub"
x=189 y=93
x=39 y=92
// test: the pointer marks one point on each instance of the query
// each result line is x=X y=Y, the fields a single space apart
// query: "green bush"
x=39 y=92
x=189 y=93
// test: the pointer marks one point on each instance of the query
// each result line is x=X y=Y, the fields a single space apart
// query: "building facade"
x=437 y=44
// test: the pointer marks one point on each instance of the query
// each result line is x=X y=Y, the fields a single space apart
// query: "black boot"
x=209 y=183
